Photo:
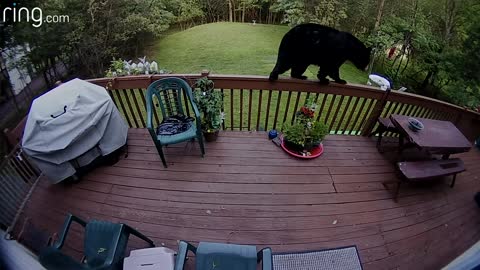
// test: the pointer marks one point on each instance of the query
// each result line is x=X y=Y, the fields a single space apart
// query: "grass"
x=231 y=48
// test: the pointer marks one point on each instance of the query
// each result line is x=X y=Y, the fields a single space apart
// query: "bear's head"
x=361 y=57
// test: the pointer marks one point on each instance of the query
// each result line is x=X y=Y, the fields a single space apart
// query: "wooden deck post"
x=205 y=73
x=376 y=112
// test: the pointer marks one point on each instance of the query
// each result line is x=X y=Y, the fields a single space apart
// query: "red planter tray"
x=316 y=151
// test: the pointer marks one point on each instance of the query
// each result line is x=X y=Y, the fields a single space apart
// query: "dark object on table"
x=169 y=93
x=314 y=44
x=224 y=256
x=104 y=246
x=414 y=124
x=416 y=171
x=384 y=125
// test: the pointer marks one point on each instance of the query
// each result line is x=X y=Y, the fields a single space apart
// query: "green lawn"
x=230 y=48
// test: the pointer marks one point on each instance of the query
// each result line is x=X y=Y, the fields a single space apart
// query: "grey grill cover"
x=91 y=126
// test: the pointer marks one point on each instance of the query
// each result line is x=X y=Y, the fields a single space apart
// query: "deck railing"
x=18 y=176
x=254 y=103
x=250 y=103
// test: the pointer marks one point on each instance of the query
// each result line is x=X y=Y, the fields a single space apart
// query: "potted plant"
x=209 y=102
x=305 y=133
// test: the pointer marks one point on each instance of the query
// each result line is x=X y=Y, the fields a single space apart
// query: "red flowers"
x=307 y=112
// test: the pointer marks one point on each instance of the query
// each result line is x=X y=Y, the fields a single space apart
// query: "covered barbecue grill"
x=71 y=125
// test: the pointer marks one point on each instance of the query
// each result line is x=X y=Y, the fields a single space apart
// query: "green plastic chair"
x=169 y=93
x=220 y=256
x=104 y=246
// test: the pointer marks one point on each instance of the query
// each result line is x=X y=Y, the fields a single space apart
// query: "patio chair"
x=104 y=246
x=224 y=256
x=169 y=92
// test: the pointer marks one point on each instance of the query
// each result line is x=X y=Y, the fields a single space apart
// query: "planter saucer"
x=315 y=152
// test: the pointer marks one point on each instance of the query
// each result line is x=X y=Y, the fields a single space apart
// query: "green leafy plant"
x=305 y=132
x=209 y=102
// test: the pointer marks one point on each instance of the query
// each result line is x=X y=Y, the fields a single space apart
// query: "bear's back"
x=318 y=41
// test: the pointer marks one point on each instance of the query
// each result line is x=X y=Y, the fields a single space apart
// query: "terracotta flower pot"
x=210 y=136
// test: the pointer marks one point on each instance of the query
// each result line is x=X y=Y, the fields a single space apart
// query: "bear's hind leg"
x=298 y=70
x=322 y=76
x=279 y=68
x=334 y=74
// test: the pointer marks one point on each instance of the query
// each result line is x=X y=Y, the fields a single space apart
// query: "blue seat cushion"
x=190 y=133
x=225 y=257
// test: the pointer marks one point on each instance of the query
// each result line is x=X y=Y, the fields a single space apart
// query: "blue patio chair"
x=169 y=93
x=104 y=246
x=224 y=256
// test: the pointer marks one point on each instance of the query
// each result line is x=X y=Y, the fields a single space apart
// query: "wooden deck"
x=247 y=191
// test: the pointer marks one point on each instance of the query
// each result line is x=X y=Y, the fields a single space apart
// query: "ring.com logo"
x=35 y=15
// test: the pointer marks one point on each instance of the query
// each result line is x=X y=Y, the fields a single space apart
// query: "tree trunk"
x=230 y=11
x=426 y=80
x=243 y=12
x=379 y=14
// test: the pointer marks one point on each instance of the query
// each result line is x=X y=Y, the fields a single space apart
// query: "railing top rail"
x=262 y=82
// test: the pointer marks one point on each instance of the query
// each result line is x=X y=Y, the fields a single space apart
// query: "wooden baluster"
x=365 y=119
x=354 y=123
x=287 y=107
x=223 y=107
x=186 y=102
x=241 y=109
x=231 y=109
x=352 y=112
x=277 y=109
x=249 y=109
x=139 y=112
x=423 y=112
x=415 y=112
x=24 y=176
x=125 y=114
x=386 y=109
x=410 y=109
x=129 y=106
x=296 y=106
x=340 y=103
x=268 y=108
x=320 y=111
x=332 y=102
x=345 y=109
x=259 y=113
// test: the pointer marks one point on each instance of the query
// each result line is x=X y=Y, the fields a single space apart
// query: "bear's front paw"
x=324 y=81
x=301 y=77
x=273 y=77
x=340 y=81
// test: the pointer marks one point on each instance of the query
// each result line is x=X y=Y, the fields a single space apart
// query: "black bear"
x=314 y=44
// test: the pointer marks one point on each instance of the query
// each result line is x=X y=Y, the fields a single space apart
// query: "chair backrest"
x=100 y=242
x=168 y=93
x=225 y=256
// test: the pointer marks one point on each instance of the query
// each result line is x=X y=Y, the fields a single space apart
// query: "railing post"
x=205 y=73
x=376 y=112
